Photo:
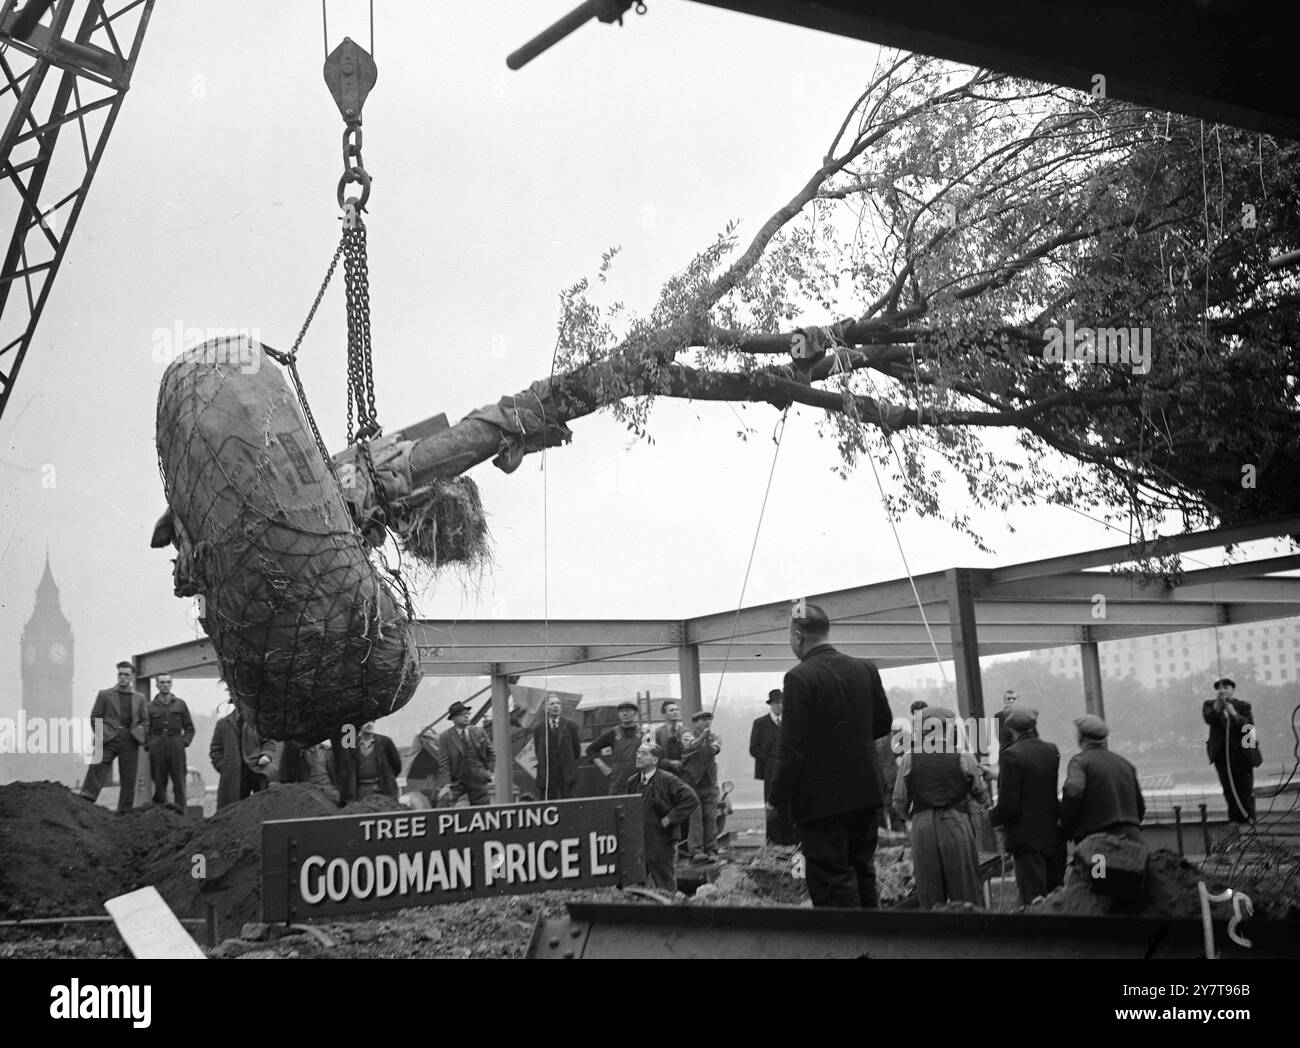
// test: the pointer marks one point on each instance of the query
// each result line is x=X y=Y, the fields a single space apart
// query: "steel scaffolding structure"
x=90 y=47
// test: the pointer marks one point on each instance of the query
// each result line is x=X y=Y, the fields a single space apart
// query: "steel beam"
x=1242 y=591
x=840 y=604
x=607 y=931
x=557 y=633
x=1246 y=569
x=502 y=787
x=1278 y=527
x=965 y=643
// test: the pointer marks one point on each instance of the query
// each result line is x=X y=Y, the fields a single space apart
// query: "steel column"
x=143 y=773
x=965 y=642
x=688 y=668
x=503 y=793
x=1091 y=661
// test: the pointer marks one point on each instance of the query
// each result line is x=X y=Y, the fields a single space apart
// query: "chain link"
x=354 y=169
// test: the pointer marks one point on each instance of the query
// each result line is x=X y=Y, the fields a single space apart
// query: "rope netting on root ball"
x=310 y=636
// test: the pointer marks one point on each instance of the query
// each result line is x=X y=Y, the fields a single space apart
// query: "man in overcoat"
x=835 y=709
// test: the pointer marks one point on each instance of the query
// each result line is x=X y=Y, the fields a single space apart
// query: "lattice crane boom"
x=63 y=64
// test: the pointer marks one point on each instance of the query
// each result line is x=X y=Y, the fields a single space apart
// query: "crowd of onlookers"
x=834 y=768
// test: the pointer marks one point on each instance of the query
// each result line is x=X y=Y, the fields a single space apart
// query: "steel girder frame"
x=1022 y=607
x=92 y=64
x=605 y=931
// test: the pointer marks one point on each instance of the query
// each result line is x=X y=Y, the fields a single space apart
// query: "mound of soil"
x=221 y=861
x=63 y=856
x=1171 y=892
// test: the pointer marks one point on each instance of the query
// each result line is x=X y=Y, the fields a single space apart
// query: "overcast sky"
x=214 y=208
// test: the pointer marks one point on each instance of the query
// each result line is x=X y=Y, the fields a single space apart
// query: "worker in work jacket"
x=666 y=802
x=171 y=730
x=1101 y=792
x=1229 y=719
x=614 y=751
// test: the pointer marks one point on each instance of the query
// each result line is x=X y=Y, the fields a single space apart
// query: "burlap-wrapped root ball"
x=309 y=636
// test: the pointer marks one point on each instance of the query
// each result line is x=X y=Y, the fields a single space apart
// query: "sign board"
x=150 y=929
x=392 y=860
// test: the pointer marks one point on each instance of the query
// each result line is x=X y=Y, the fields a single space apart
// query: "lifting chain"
x=361 y=375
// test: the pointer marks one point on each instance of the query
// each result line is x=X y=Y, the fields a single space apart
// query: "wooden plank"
x=150 y=929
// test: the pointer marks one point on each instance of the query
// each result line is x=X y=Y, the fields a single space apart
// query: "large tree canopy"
x=912 y=287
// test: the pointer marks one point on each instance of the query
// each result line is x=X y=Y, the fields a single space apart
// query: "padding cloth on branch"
x=527 y=421
x=309 y=635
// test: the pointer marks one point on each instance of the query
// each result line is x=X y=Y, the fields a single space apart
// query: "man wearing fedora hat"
x=465 y=760
x=764 y=741
x=1028 y=809
x=1231 y=748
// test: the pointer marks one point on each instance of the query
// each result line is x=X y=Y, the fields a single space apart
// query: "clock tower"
x=47 y=648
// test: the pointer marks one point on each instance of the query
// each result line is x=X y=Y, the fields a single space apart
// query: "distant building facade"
x=1272 y=647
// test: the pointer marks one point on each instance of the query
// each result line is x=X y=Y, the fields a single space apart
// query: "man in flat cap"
x=614 y=751
x=826 y=773
x=465 y=761
x=1028 y=810
x=764 y=739
x=700 y=748
x=1101 y=792
x=666 y=802
x=1232 y=749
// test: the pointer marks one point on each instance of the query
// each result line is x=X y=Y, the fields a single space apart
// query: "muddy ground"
x=61 y=856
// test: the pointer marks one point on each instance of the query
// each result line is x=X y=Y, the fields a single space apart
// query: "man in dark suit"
x=120 y=718
x=1231 y=748
x=764 y=739
x=666 y=802
x=835 y=709
x=556 y=747
x=1028 y=807
x=466 y=760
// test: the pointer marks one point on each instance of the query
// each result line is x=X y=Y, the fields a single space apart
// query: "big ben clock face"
x=58 y=654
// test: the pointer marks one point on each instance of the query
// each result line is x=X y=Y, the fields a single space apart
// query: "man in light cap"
x=764 y=740
x=700 y=748
x=1027 y=808
x=1231 y=748
x=826 y=773
x=666 y=802
x=1101 y=793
